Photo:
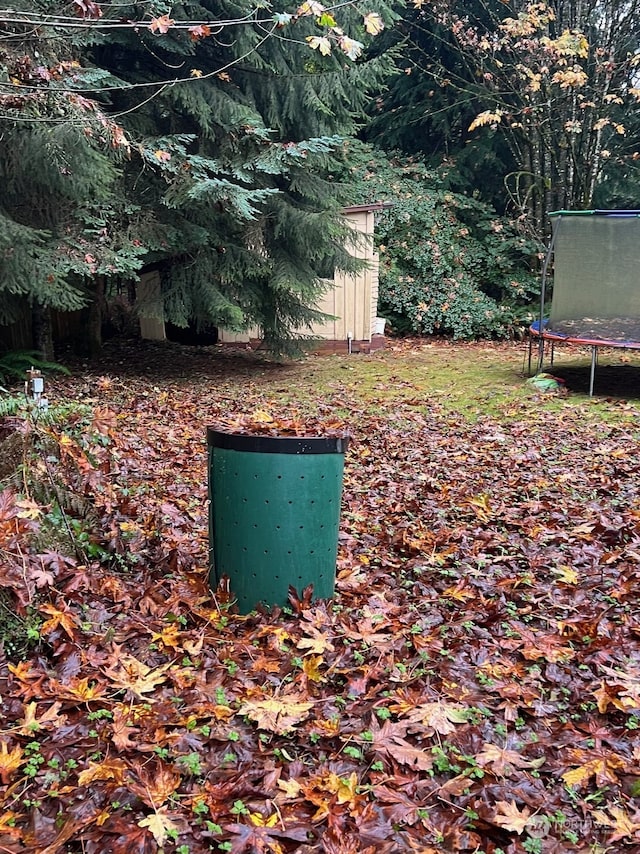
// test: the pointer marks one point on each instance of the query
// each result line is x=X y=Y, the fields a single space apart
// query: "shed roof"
x=373 y=206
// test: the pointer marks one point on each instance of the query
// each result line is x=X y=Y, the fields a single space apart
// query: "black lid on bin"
x=257 y=443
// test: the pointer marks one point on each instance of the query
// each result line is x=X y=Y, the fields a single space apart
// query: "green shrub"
x=448 y=264
x=14 y=365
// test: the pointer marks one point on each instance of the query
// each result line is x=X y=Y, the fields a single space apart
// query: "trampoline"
x=596 y=284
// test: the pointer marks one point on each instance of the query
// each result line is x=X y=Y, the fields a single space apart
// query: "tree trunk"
x=94 y=320
x=42 y=330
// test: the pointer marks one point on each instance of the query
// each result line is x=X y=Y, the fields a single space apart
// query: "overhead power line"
x=12 y=16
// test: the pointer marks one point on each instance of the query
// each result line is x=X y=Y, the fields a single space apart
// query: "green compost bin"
x=274 y=514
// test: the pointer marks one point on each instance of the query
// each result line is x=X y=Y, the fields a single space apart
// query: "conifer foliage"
x=202 y=142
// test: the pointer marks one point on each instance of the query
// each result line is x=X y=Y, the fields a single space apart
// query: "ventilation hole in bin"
x=301 y=527
x=301 y=477
x=311 y=551
x=244 y=549
x=277 y=527
x=266 y=501
x=279 y=477
x=290 y=502
x=289 y=551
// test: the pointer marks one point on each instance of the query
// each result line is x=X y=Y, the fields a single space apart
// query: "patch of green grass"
x=469 y=380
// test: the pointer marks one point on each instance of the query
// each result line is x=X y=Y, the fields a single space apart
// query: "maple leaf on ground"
x=42 y=578
x=169 y=637
x=160 y=826
x=603 y=768
x=10 y=761
x=460 y=591
x=30 y=723
x=84 y=689
x=315 y=642
x=344 y=788
x=367 y=631
x=310 y=668
x=623 y=690
x=388 y=740
x=277 y=714
x=503 y=761
x=57 y=619
x=28 y=508
x=122 y=731
x=290 y=789
x=623 y=825
x=511 y=818
x=260 y=837
x=110 y=769
x=157 y=783
x=439 y=717
x=329 y=789
x=135 y=676
x=8 y=824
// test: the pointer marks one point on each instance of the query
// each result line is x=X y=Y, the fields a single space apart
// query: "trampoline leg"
x=553 y=352
x=594 y=356
x=540 y=355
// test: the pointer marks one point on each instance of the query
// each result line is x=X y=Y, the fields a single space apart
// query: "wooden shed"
x=352 y=300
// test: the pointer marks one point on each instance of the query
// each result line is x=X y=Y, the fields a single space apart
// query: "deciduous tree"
x=557 y=82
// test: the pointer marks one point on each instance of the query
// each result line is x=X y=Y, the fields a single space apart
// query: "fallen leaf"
x=57 y=619
x=511 y=818
x=31 y=723
x=160 y=826
x=623 y=825
x=503 y=761
x=439 y=717
x=277 y=714
x=133 y=675
x=110 y=769
x=10 y=761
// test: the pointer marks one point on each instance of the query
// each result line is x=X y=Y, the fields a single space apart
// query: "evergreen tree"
x=214 y=158
x=64 y=222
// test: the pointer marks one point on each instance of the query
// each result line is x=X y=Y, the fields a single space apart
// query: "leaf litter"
x=473 y=686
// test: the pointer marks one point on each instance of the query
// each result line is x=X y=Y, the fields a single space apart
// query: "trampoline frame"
x=537 y=328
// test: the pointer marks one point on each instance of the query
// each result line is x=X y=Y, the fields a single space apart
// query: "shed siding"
x=352 y=300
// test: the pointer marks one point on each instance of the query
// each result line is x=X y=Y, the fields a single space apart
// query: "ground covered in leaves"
x=473 y=686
